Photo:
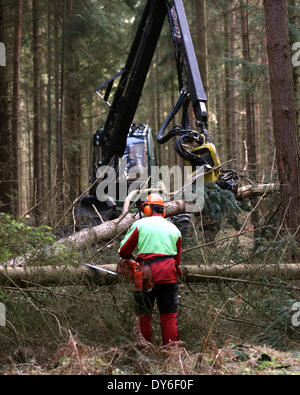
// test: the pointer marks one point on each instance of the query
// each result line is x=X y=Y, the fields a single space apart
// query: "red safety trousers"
x=166 y=296
x=168 y=324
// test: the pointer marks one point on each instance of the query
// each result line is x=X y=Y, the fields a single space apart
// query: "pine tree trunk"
x=57 y=102
x=227 y=93
x=72 y=134
x=79 y=155
x=269 y=134
x=284 y=113
x=219 y=112
x=29 y=143
x=15 y=126
x=49 y=102
x=257 y=122
x=5 y=146
x=234 y=93
x=250 y=135
x=243 y=131
x=268 y=123
x=37 y=160
x=60 y=131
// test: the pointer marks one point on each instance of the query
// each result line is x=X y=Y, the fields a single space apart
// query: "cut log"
x=104 y=232
x=110 y=229
x=69 y=275
x=52 y=276
x=107 y=231
x=252 y=191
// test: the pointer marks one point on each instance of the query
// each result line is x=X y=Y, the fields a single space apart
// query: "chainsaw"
x=140 y=274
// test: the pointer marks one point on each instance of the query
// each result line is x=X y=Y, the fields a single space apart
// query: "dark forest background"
x=58 y=52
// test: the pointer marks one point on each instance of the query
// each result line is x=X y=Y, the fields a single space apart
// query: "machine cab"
x=132 y=169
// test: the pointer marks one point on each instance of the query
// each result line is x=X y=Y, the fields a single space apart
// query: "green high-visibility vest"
x=156 y=236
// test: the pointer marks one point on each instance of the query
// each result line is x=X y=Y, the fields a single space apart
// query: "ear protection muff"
x=147 y=210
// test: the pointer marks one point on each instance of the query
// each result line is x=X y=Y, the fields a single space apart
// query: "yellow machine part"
x=212 y=169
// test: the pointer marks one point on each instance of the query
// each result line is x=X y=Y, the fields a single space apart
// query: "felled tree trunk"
x=108 y=230
x=253 y=191
x=68 y=275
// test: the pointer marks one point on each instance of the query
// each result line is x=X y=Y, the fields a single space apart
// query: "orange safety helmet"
x=153 y=200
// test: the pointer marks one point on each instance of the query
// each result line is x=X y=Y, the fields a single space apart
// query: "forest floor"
x=74 y=358
x=91 y=330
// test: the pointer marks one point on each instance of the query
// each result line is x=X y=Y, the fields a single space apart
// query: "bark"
x=269 y=130
x=234 y=92
x=37 y=159
x=5 y=174
x=250 y=122
x=15 y=127
x=72 y=135
x=79 y=155
x=250 y=134
x=60 y=131
x=284 y=113
x=49 y=102
x=57 y=90
x=228 y=91
x=69 y=275
x=219 y=115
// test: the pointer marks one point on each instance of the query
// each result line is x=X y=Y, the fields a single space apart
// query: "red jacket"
x=155 y=238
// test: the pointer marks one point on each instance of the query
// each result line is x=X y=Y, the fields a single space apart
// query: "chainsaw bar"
x=100 y=269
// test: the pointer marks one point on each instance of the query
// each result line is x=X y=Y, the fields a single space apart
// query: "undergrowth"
x=33 y=244
x=92 y=329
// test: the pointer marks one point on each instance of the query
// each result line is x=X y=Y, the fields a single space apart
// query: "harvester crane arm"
x=193 y=145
